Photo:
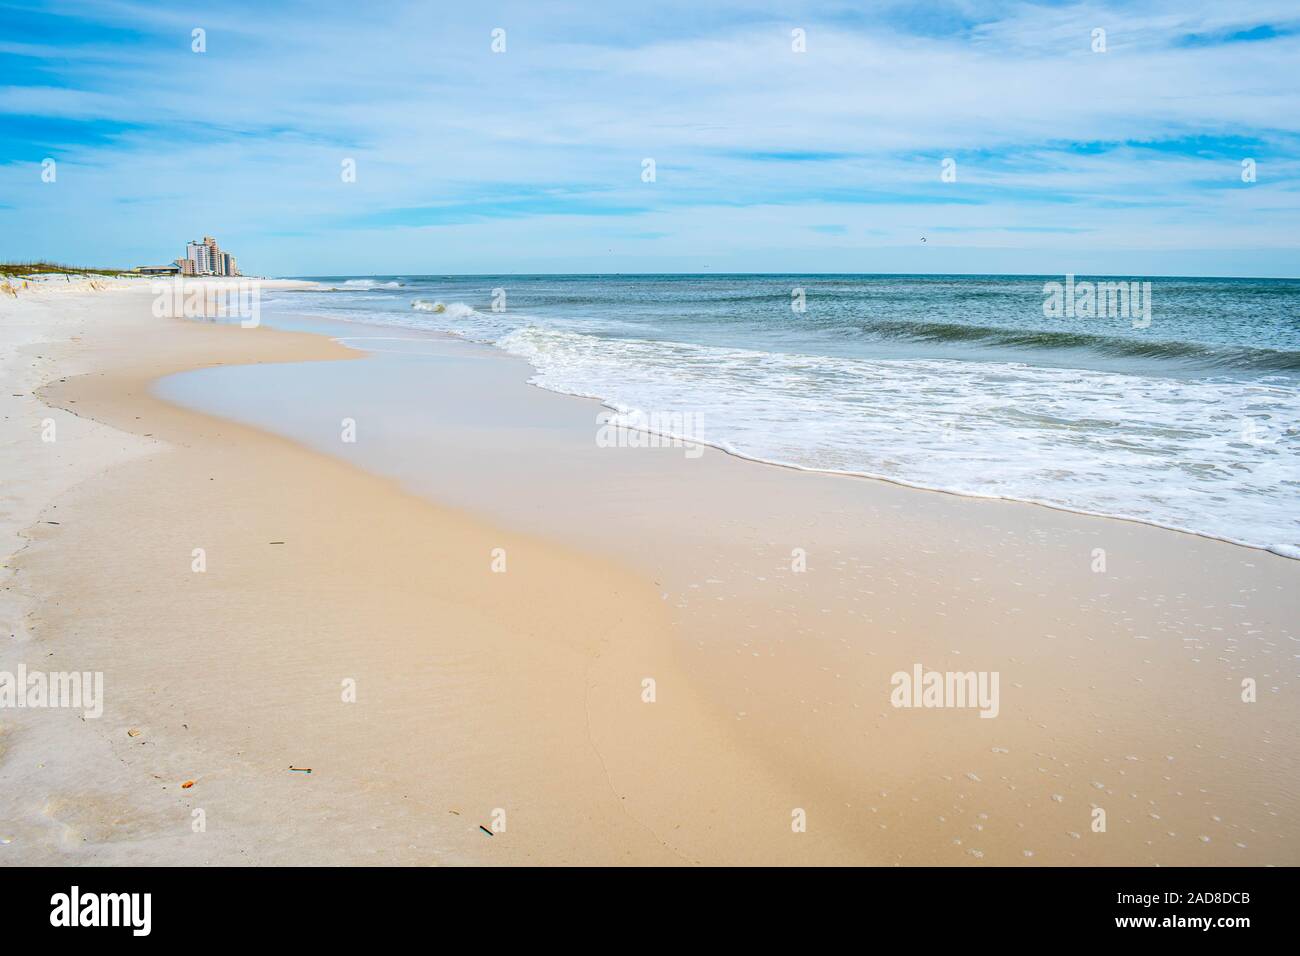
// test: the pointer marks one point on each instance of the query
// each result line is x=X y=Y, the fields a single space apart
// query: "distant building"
x=170 y=269
x=214 y=256
x=206 y=259
x=198 y=254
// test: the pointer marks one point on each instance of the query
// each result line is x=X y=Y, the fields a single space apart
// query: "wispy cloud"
x=764 y=157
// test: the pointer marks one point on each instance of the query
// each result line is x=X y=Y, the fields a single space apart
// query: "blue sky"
x=1126 y=161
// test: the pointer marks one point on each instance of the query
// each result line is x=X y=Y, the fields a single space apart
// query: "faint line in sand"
x=586 y=706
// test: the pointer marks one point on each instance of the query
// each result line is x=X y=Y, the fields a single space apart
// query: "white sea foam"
x=449 y=310
x=370 y=284
x=1220 y=458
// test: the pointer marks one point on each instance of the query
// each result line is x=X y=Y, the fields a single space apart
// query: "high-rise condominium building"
x=207 y=259
x=214 y=256
x=201 y=256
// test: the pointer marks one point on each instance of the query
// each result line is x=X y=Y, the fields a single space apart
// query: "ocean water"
x=1184 y=413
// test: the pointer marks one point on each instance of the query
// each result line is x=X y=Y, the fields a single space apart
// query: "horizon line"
x=719 y=275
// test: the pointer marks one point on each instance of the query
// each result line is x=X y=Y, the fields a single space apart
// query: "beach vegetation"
x=53 y=268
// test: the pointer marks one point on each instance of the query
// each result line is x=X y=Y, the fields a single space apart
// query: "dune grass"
x=52 y=268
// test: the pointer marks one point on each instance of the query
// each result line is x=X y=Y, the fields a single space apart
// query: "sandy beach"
x=493 y=640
